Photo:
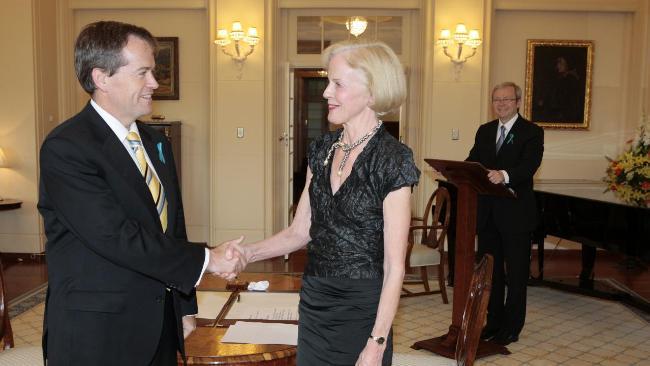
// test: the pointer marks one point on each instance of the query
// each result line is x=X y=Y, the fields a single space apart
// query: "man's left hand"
x=189 y=324
x=496 y=177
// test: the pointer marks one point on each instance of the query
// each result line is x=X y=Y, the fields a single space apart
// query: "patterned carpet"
x=561 y=329
x=27 y=301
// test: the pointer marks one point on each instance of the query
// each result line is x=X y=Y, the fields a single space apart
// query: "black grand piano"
x=581 y=211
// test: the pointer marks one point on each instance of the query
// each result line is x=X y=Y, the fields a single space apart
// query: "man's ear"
x=100 y=78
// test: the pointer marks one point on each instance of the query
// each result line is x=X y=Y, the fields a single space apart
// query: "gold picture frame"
x=558 y=83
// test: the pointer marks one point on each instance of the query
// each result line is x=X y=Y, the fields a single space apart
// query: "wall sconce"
x=461 y=37
x=236 y=35
x=356 y=25
x=3 y=164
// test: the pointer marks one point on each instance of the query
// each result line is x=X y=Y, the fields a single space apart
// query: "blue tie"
x=502 y=137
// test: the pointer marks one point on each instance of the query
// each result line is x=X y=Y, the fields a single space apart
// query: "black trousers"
x=168 y=344
x=511 y=252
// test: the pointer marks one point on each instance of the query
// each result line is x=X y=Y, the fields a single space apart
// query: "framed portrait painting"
x=558 y=83
x=166 y=72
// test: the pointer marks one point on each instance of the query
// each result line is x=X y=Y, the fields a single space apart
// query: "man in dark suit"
x=122 y=274
x=511 y=148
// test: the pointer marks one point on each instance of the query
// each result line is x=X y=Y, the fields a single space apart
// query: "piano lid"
x=581 y=188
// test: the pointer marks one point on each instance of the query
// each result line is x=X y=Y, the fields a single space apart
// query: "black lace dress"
x=344 y=274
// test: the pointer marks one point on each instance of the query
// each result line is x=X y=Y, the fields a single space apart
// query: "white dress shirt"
x=508 y=125
x=121 y=132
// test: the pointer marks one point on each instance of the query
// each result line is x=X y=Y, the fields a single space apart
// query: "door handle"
x=284 y=138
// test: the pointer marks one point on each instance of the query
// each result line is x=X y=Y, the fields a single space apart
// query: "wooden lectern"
x=471 y=180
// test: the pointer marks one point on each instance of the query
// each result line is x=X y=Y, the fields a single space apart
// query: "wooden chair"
x=471 y=326
x=431 y=229
x=21 y=356
x=475 y=312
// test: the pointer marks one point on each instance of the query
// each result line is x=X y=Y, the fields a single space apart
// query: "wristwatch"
x=379 y=340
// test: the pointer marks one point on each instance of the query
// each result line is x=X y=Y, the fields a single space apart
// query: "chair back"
x=6 y=334
x=436 y=218
x=432 y=230
x=475 y=311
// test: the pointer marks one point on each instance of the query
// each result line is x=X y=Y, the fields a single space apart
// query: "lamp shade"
x=237 y=27
x=237 y=32
x=461 y=28
x=3 y=159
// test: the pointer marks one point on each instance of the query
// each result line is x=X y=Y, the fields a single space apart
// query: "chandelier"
x=356 y=25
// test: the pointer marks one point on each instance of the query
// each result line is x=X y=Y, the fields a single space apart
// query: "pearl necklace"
x=347 y=148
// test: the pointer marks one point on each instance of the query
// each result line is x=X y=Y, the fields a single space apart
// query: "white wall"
x=448 y=102
x=239 y=183
x=573 y=154
x=19 y=229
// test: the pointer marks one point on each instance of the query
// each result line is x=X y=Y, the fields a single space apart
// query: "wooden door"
x=310 y=122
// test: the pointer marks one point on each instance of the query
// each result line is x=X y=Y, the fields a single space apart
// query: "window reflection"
x=309 y=35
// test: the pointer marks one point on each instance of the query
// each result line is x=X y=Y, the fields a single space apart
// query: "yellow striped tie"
x=156 y=189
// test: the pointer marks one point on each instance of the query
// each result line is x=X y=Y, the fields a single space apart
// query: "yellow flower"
x=628 y=176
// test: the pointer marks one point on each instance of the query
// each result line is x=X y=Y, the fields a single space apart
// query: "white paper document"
x=262 y=333
x=210 y=303
x=265 y=306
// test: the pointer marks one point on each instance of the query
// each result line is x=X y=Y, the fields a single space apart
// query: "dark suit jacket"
x=520 y=156
x=109 y=262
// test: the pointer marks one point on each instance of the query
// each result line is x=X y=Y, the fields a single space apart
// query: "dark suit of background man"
x=504 y=225
x=119 y=283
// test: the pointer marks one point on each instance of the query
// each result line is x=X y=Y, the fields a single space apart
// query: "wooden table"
x=9 y=204
x=277 y=281
x=204 y=347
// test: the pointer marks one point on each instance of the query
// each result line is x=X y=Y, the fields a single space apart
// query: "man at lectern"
x=511 y=148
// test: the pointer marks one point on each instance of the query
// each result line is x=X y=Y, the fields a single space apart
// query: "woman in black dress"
x=353 y=214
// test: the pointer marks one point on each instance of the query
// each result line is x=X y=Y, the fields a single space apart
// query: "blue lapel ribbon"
x=161 y=157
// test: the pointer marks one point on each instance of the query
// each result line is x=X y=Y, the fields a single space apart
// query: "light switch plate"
x=240 y=132
x=455 y=134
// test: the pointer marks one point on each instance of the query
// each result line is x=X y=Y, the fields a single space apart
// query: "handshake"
x=228 y=259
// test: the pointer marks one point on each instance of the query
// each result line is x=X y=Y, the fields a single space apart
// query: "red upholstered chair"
x=10 y=356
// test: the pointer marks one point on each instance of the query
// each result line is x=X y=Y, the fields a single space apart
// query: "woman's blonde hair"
x=382 y=70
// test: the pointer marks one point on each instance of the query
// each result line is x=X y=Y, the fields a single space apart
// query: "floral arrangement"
x=628 y=176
